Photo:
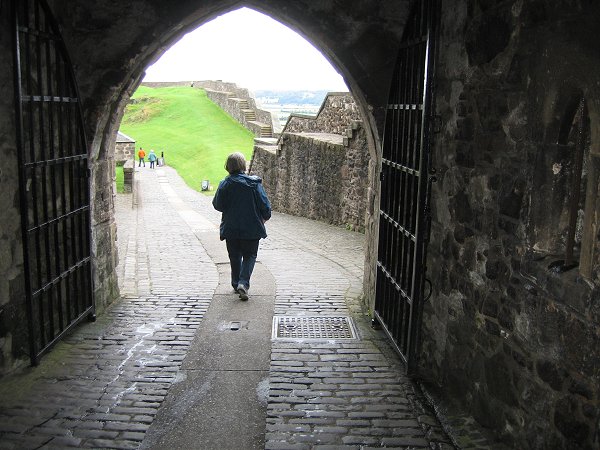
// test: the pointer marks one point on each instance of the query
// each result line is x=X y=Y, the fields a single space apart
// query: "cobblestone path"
x=103 y=385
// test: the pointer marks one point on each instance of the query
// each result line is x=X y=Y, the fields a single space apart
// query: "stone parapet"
x=124 y=148
x=156 y=84
x=256 y=127
x=236 y=101
x=337 y=112
x=319 y=166
x=316 y=175
x=239 y=104
x=218 y=85
x=265 y=117
x=128 y=175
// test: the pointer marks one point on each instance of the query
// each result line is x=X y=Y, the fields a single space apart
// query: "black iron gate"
x=54 y=179
x=405 y=186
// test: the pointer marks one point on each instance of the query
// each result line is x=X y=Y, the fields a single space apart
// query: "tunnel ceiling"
x=112 y=42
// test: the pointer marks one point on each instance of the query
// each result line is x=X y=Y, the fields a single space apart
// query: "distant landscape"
x=195 y=134
x=291 y=97
x=284 y=103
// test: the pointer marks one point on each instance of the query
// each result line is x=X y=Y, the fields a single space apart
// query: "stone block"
x=567 y=420
x=499 y=380
x=582 y=388
x=128 y=176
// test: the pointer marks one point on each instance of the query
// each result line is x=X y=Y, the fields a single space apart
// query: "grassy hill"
x=195 y=134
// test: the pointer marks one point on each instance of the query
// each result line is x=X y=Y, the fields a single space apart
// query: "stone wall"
x=14 y=320
x=158 y=84
x=504 y=335
x=263 y=116
x=336 y=113
x=228 y=103
x=14 y=342
x=221 y=86
x=231 y=98
x=124 y=151
x=519 y=350
x=227 y=96
x=124 y=148
x=131 y=42
x=104 y=231
x=128 y=176
x=317 y=174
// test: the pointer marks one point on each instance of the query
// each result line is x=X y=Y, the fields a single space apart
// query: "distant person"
x=141 y=156
x=152 y=158
x=245 y=207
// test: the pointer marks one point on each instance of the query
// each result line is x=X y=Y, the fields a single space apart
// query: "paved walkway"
x=179 y=360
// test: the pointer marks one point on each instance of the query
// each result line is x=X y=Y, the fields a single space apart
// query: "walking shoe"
x=242 y=291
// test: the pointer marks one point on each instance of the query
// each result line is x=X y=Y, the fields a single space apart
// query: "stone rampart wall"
x=228 y=95
x=224 y=100
x=317 y=175
x=255 y=128
x=222 y=86
x=320 y=165
x=156 y=84
x=337 y=112
x=264 y=116
x=124 y=151
x=128 y=176
x=221 y=98
x=515 y=342
x=265 y=164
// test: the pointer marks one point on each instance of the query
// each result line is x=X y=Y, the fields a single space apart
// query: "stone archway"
x=110 y=48
x=108 y=118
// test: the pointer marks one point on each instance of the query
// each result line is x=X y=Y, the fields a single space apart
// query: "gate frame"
x=426 y=178
x=89 y=311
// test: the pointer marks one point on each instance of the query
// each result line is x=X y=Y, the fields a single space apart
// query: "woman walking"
x=152 y=158
x=245 y=207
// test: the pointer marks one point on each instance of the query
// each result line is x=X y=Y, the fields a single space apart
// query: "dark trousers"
x=242 y=257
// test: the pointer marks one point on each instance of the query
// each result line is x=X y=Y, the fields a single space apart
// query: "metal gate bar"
x=53 y=178
x=403 y=218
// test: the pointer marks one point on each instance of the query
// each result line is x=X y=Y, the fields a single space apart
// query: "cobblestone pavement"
x=102 y=386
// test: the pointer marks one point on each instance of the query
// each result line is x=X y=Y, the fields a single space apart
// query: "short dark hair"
x=236 y=163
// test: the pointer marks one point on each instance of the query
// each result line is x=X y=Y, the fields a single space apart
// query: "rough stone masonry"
x=505 y=333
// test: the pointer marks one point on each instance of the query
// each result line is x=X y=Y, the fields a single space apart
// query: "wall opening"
x=272 y=64
x=563 y=205
x=574 y=137
x=216 y=56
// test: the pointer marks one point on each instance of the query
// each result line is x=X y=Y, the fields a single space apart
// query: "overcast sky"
x=251 y=50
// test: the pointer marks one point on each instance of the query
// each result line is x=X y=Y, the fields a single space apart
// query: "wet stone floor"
x=103 y=385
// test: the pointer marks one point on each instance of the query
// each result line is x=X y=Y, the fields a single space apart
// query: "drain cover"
x=314 y=327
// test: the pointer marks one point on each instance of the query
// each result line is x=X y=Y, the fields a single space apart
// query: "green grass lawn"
x=120 y=179
x=195 y=134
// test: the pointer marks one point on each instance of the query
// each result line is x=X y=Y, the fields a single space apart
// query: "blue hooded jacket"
x=245 y=207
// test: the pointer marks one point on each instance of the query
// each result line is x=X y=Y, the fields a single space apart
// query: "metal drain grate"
x=314 y=327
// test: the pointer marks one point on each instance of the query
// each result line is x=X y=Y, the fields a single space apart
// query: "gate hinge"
x=381 y=176
x=428 y=296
